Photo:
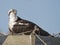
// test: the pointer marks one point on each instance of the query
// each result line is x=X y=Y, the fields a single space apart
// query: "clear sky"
x=45 y=13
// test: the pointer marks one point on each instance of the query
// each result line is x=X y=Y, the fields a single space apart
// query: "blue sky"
x=45 y=13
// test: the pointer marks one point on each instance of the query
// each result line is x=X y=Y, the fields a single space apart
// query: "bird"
x=18 y=25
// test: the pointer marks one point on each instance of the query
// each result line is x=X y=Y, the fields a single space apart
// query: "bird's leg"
x=11 y=32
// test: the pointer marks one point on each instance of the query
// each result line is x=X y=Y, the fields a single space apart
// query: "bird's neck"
x=12 y=18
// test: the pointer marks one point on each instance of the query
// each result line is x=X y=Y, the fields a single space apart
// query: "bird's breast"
x=11 y=24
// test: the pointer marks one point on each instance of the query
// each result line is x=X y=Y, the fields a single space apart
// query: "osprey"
x=18 y=25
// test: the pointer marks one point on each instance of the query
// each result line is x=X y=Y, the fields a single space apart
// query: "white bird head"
x=12 y=11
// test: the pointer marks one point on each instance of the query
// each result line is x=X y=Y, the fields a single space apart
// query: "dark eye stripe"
x=12 y=11
x=9 y=12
